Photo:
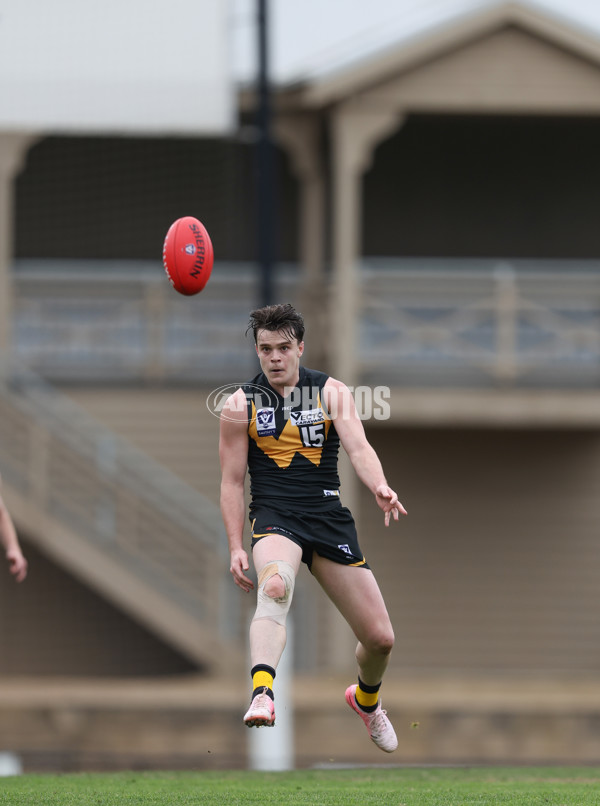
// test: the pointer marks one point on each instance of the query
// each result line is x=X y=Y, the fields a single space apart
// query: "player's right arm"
x=233 y=452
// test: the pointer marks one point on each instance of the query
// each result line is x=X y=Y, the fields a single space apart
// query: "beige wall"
x=53 y=624
x=497 y=565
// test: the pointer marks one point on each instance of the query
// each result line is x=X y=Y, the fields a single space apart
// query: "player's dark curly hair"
x=282 y=317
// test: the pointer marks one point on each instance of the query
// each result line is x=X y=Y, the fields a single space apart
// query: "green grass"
x=386 y=786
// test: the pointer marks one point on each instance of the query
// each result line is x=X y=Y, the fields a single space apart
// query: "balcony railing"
x=518 y=323
x=96 y=320
x=421 y=322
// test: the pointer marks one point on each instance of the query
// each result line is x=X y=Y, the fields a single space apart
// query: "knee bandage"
x=267 y=606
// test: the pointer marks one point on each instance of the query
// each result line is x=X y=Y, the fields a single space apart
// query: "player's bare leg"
x=356 y=594
x=267 y=637
x=268 y=631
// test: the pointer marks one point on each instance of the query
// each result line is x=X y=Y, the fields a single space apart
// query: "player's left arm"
x=17 y=564
x=342 y=410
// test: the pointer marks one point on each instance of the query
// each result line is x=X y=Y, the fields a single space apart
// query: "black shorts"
x=331 y=533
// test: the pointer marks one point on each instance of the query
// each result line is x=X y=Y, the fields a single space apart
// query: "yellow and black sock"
x=262 y=677
x=367 y=697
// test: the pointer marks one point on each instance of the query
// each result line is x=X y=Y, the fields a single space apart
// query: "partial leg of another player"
x=276 y=559
x=356 y=594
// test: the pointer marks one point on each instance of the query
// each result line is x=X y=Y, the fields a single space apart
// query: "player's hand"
x=387 y=500
x=17 y=564
x=239 y=564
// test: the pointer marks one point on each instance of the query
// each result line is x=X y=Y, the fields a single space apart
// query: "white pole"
x=10 y=764
x=272 y=749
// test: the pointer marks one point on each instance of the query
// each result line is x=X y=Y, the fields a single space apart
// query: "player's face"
x=279 y=355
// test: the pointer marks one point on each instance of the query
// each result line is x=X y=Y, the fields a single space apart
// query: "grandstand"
x=436 y=208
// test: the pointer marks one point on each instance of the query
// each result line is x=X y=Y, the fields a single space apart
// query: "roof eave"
x=332 y=88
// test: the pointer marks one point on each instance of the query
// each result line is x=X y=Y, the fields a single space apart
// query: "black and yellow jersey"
x=292 y=444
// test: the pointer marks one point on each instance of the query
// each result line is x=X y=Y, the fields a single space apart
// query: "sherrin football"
x=188 y=255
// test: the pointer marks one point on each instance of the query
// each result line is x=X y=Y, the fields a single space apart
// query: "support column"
x=356 y=130
x=299 y=135
x=13 y=150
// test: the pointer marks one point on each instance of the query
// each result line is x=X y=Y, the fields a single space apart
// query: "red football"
x=188 y=255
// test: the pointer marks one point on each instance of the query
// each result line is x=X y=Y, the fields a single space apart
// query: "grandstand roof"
x=315 y=42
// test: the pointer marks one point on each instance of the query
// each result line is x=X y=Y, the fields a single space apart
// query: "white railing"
x=111 y=320
x=435 y=322
x=480 y=322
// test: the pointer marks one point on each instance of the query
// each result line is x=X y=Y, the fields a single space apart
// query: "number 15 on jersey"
x=313 y=436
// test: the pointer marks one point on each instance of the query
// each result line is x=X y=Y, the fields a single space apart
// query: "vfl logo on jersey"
x=309 y=417
x=346 y=549
x=265 y=422
x=331 y=494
